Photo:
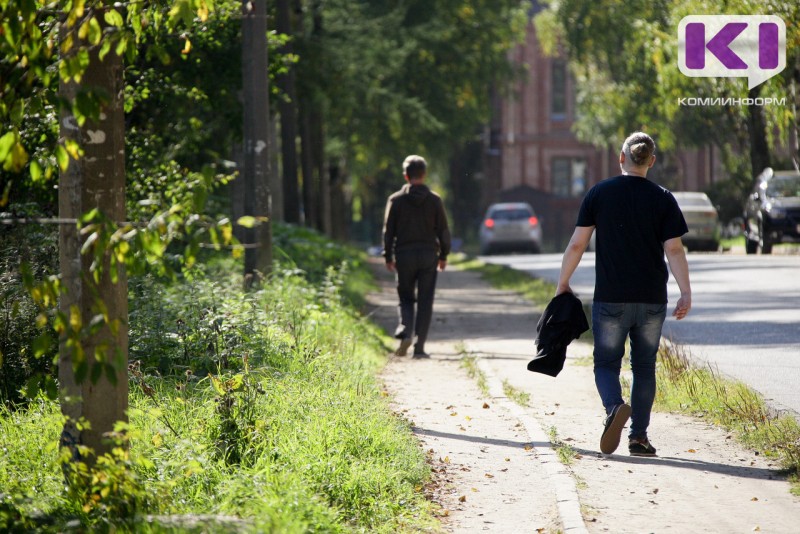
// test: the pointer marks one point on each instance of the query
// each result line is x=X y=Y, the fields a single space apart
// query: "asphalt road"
x=745 y=317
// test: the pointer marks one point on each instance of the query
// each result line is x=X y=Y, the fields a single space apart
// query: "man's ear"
x=622 y=158
x=652 y=161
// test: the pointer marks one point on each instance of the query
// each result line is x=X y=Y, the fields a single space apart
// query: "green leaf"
x=105 y=48
x=36 y=171
x=81 y=370
x=62 y=157
x=32 y=387
x=95 y=31
x=248 y=221
x=97 y=371
x=217 y=383
x=113 y=18
x=6 y=143
x=111 y=373
x=41 y=345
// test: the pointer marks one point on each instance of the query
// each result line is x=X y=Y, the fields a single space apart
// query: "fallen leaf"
x=463 y=498
x=488 y=475
x=756 y=529
x=655 y=491
x=754 y=499
x=485 y=405
x=453 y=414
x=450 y=407
x=475 y=490
x=691 y=450
x=508 y=459
x=468 y=418
x=446 y=460
x=504 y=470
x=528 y=446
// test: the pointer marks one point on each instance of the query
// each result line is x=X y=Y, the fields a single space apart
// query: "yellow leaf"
x=75 y=318
x=187 y=47
x=202 y=12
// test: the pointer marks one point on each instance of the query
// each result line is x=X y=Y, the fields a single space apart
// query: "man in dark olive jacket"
x=416 y=242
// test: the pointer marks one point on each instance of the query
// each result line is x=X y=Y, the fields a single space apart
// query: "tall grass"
x=251 y=411
x=702 y=391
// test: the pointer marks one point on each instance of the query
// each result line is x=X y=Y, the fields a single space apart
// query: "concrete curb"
x=560 y=479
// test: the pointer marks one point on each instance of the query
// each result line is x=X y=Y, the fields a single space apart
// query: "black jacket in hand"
x=562 y=321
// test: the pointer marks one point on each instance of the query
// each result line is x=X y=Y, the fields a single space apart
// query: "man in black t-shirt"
x=636 y=222
x=416 y=242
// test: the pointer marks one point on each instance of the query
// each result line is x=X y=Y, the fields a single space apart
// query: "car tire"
x=485 y=250
x=750 y=246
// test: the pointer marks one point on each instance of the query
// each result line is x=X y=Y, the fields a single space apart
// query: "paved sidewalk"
x=494 y=465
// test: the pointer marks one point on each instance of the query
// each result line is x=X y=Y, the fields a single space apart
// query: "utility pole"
x=255 y=81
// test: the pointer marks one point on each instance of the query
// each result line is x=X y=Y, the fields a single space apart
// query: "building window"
x=569 y=176
x=558 y=90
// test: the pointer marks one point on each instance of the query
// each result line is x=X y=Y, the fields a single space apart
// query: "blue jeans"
x=612 y=324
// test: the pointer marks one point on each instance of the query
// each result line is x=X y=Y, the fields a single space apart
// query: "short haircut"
x=414 y=167
x=639 y=148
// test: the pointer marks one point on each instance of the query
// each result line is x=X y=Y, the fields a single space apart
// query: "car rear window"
x=784 y=186
x=693 y=202
x=510 y=215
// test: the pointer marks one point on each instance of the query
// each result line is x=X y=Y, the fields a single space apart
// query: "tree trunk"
x=95 y=181
x=756 y=125
x=288 y=112
x=339 y=211
x=256 y=172
x=310 y=190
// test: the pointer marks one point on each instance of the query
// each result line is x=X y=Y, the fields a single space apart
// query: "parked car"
x=511 y=227
x=772 y=211
x=701 y=218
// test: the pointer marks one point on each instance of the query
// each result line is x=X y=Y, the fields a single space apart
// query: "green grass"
x=266 y=416
x=516 y=395
x=470 y=363
x=565 y=453
x=685 y=388
x=502 y=277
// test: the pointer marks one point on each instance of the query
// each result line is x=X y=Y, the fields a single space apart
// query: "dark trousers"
x=416 y=273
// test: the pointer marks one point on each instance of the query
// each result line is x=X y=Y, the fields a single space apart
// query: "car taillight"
x=489 y=223
x=533 y=221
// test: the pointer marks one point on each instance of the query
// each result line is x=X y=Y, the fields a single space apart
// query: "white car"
x=701 y=218
x=510 y=227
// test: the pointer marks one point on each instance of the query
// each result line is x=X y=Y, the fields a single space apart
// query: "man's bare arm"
x=676 y=257
x=572 y=256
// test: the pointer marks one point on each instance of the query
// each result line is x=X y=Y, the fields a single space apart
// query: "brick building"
x=533 y=156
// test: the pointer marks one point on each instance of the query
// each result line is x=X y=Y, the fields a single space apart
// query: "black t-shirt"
x=632 y=217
